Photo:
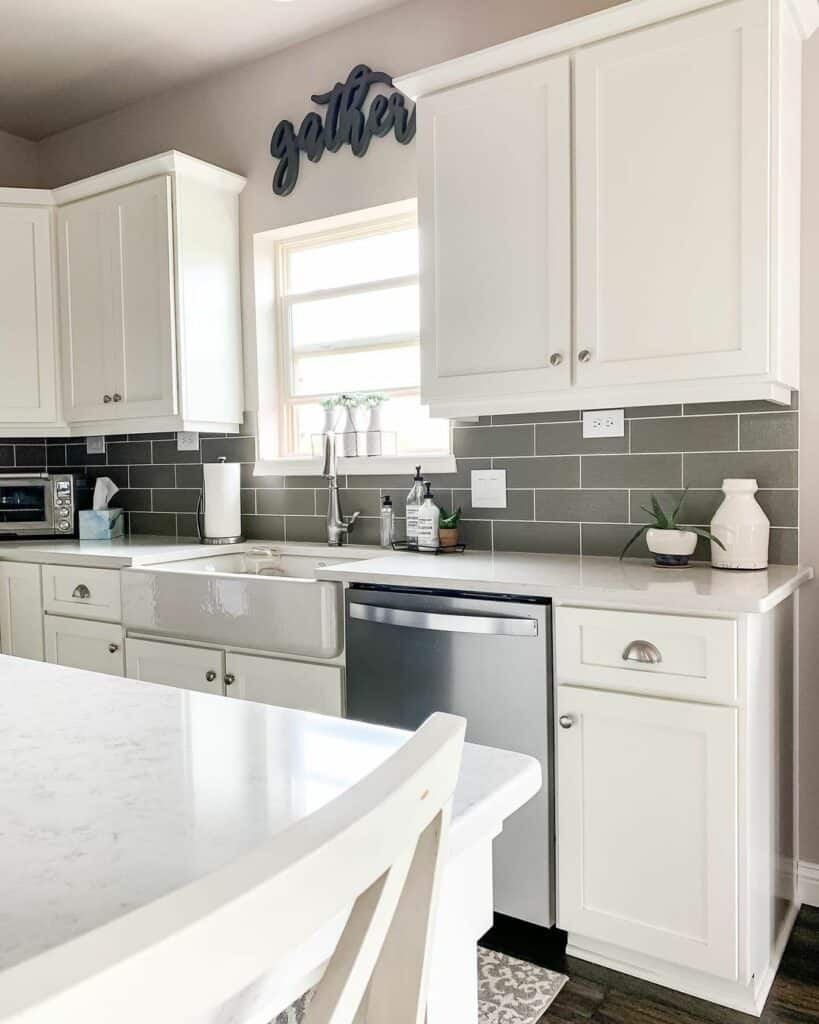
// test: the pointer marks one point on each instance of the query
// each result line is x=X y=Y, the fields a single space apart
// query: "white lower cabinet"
x=647 y=826
x=192 y=668
x=81 y=643
x=287 y=684
x=21 y=610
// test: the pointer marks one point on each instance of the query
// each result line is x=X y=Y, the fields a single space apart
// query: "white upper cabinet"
x=494 y=212
x=614 y=202
x=671 y=201
x=28 y=349
x=117 y=303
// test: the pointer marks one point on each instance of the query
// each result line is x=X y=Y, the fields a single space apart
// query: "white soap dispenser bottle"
x=428 y=519
x=415 y=499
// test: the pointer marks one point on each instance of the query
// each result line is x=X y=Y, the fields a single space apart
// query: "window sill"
x=380 y=465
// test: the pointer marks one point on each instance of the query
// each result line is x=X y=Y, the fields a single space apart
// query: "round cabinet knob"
x=584 y=355
x=81 y=591
x=230 y=679
x=566 y=721
x=113 y=648
x=117 y=398
x=555 y=359
x=106 y=399
x=210 y=675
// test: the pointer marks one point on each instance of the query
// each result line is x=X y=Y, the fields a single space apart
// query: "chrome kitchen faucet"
x=337 y=524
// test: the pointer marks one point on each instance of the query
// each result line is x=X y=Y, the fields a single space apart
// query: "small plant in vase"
x=448 y=528
x=372 y=404
x=347 y=429
x=330 y=408
x=670 y=544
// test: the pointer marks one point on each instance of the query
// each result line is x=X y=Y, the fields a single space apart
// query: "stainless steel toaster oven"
x=38 y=505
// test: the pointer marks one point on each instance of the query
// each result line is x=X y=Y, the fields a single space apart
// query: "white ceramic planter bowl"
x=671 y=547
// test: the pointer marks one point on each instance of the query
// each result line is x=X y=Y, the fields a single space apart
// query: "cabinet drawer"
x=687 y=657
x=82 y=593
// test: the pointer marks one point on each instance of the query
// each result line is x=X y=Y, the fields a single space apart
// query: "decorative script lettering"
x=345 y=123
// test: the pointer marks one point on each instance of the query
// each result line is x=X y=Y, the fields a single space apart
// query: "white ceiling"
x=63 y=62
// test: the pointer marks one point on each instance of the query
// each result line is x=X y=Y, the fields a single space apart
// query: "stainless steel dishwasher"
x=411 y=652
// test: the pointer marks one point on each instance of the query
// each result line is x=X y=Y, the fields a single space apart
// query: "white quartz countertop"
x=565 y=578
x=107 y=554
x=115 y=792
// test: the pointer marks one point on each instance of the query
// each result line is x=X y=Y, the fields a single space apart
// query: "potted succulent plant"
x=448 y=528
x=670 y=544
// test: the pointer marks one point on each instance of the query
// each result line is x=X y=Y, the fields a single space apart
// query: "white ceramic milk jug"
x=742 y=527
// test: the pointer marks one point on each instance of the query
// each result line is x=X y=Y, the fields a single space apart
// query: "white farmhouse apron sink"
x=241 y=600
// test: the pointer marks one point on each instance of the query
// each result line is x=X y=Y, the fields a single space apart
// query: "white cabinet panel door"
x=647 y=826
x=192 y=668
x=28 y=384
x=287 y=684
x=21 y=610
x=79 y=643
x=671 y=164
x=494 y=213
x=116 y=277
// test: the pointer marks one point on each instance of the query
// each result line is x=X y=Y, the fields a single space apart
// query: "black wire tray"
x=446 y=549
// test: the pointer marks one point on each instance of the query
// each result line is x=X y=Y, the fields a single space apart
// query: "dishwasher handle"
x=444 y=621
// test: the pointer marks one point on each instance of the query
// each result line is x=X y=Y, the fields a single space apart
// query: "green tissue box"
x=102 y=524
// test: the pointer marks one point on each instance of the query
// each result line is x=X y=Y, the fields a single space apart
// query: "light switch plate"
x=604 y=423
x=489 y=488
x=95 y=445
x=187 y=441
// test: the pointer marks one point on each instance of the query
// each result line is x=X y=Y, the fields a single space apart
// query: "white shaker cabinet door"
x=21 y=610
x=287 y=684
x=117 y=299
x=191 y=668
x=647 y=826
x=671 y=187
x=494 y=214
x=28 y=382
x=81 y=643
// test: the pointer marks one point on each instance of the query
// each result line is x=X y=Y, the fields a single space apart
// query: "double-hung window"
x=347 y=324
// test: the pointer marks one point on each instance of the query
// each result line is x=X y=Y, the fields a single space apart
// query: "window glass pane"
x=353 y=261
x=387 y=313
x=376 y=369
x=415 y=430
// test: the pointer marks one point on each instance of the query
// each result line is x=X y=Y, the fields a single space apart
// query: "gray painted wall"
x=19 y=162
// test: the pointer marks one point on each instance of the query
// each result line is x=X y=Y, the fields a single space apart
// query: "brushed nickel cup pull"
x=113 y=648
x=81 y=591
x=642 y=652
x=210 y=675
x=106 y=399
x=117 y=398
x=584 y=355
x=555 y=359
x=230 y=679
x=566 y=721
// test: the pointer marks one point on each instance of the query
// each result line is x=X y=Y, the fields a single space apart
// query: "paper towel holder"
x=200 y=531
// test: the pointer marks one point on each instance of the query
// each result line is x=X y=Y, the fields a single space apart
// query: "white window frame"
x=275 y=363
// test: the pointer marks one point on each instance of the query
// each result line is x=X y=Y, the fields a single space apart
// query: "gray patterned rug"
x=510 y=991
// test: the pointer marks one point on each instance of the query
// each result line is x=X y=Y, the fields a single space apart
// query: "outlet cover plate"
x=95 y=445
x=187 y=441
x=604 y=423
x=489 y=488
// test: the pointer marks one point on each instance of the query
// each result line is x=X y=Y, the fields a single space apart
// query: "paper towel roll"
x=222 y=502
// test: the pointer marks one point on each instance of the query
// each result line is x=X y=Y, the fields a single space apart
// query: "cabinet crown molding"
x=569 y=35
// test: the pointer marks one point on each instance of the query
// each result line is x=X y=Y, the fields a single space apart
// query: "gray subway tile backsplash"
x=566 y=493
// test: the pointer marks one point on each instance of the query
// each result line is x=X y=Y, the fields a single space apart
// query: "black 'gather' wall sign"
x=345 y=122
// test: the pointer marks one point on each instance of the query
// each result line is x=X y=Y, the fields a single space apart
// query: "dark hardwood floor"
x=595 y=995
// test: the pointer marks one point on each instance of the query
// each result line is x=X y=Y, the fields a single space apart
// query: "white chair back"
x=377 y=847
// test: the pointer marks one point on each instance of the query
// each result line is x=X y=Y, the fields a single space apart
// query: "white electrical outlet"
x=489 y=488
x=95 y=445
x=187 y=441
x=604 y=423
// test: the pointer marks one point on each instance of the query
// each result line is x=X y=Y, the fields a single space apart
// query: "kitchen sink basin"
x=265 y=599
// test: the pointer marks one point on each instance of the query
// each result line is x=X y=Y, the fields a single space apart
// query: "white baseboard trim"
x=809 y=883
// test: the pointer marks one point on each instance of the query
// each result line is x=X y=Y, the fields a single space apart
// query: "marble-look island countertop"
x=115 y=792
x=598 y=580
x=119 y=553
